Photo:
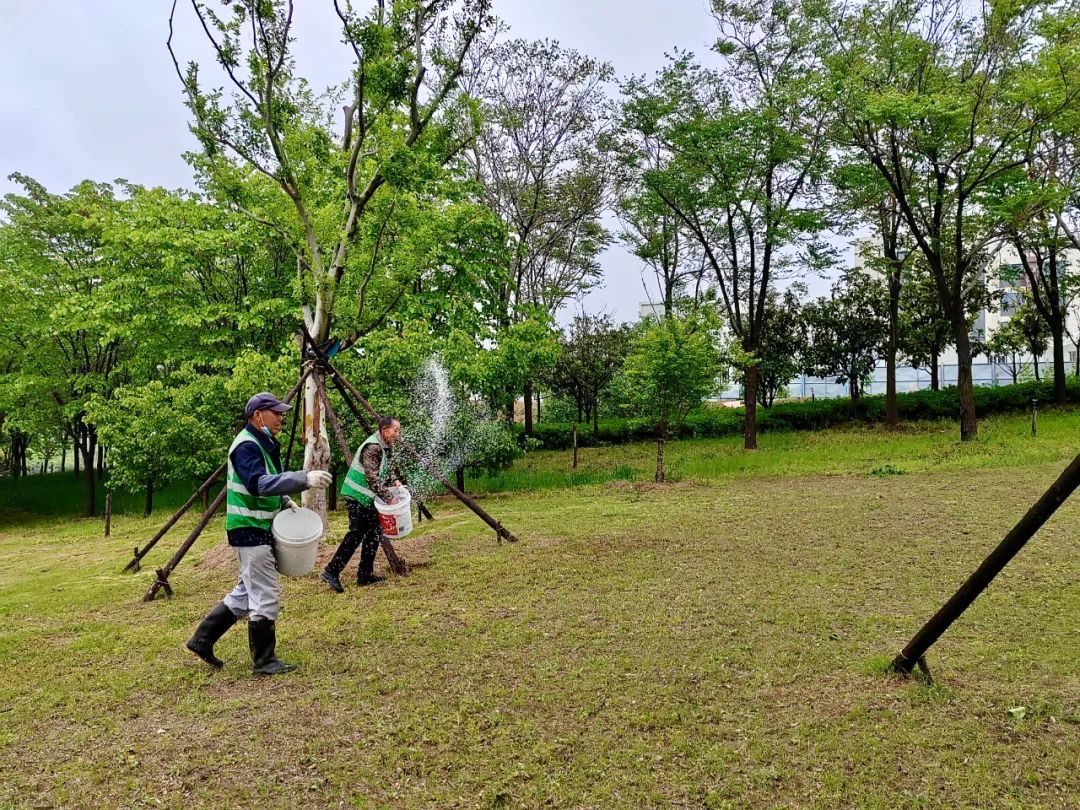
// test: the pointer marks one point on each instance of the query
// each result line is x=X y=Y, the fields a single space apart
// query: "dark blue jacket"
x=250 y=466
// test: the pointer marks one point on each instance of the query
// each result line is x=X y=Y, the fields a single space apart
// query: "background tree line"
x=449 y=197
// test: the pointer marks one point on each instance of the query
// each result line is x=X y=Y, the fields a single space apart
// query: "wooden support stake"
x=108 y=513
x=204 y=488
x=1023 y=531
x=162 y=581
x=397 y=565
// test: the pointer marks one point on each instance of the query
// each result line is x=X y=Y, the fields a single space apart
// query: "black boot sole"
x=208 y=657
x=267 y=673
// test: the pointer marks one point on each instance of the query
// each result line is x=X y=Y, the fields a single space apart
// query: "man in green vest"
x=257 y=489
x=372 y=468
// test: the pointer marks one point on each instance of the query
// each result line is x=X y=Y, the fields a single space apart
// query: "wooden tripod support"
x=351 y=397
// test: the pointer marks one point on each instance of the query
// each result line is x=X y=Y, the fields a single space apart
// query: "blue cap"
x=262 y=401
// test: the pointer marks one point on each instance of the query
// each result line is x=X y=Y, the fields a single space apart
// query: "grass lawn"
x=716 y=642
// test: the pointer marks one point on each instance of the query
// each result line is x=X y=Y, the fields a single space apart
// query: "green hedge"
x=815 y=415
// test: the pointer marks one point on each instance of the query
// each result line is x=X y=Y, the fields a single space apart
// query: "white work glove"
x=319 y=479
x=289 y=503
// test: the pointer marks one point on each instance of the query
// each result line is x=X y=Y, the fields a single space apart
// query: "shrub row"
x=812 y=415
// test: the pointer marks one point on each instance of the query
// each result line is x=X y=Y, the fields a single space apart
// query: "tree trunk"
x=579 y=409
x=965 y=388
x=148 y=504
x=596 y=418
x=75 y=451
x=892 y=410
x=935 y=382
x=750 y=401
x=63 y=456
x=574 y=466
x=508 y=407
x=101 y=460
x=1057 y=330
x=87 y=450
x=1035 y=365
x=527 y=398
x=853 y=389
x=316 y=444
x=660 y=459
x=459 y=477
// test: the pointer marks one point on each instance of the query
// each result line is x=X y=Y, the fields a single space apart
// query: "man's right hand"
x=319 y=479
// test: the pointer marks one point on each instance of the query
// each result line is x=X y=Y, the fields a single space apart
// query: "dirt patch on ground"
x=649 y=486
x=416 y=551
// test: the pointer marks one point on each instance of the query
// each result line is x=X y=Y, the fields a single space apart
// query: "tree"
x=672 y=368
x=1024 y=201
x=1038 y=200
x=748 y=153
x=1005 y=346
x=783 y=343
x=650 y=229
x=65 y=295
x=351 y=206
x=1035 y=331
x=538 y=162
x=847 y=331
x=158 y=434
x=934 y=96
x=591 y=353
x=925 y=332
x=862 y=192
x=1074 y=338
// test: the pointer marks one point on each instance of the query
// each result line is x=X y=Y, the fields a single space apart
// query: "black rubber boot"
x=210 y=629
x=365 y=572
x=331 y=579
x=262 y=638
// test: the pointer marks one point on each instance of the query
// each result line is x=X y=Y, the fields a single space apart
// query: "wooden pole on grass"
x=162 y=581
x=108 y=513
x=1023 y=531
x=203 y=489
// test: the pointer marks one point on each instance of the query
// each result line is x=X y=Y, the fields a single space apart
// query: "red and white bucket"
x=395 y=519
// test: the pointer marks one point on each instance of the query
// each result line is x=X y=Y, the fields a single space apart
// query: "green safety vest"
x=356 y=483
x=242 y=509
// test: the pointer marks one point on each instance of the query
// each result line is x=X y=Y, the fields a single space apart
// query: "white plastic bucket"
x=297 y=535
x=395 y=519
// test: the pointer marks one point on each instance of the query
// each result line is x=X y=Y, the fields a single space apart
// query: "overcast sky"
x=87 y=89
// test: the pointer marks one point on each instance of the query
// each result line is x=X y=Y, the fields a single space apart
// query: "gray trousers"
x=257 y=591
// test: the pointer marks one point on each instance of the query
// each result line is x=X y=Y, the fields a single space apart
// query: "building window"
x=1010 y=302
